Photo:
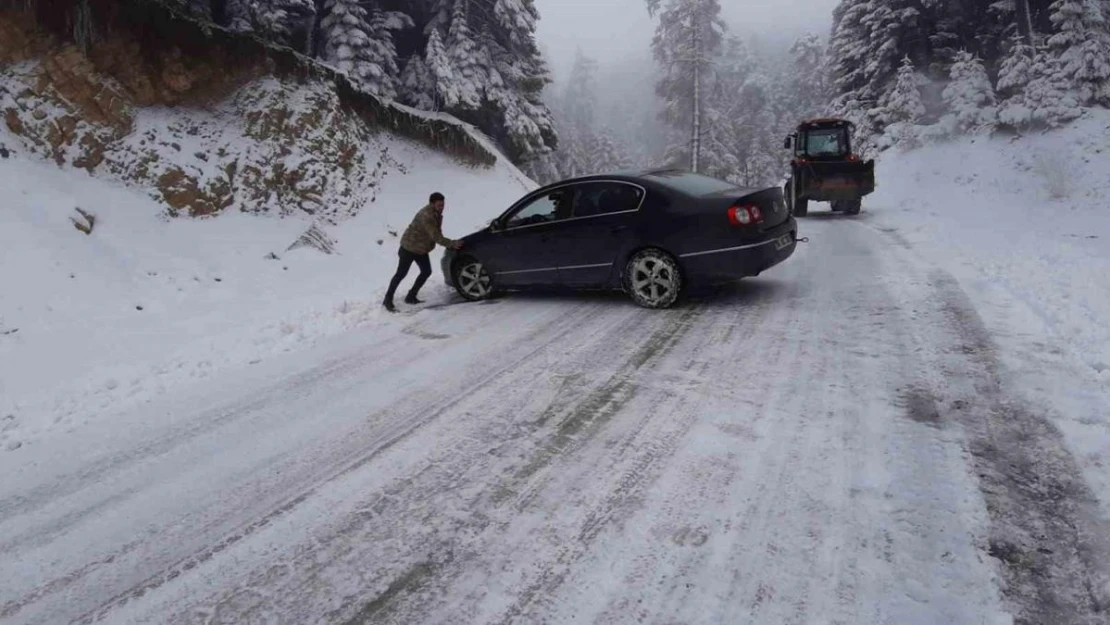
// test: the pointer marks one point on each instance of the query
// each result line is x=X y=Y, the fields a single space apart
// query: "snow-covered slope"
x=1024 y=225
x=146 y=302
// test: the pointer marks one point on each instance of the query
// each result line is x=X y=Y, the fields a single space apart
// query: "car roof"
x=655 y=178
x=627 y=175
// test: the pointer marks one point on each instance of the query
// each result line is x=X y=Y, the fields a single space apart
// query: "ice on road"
x=833 y=442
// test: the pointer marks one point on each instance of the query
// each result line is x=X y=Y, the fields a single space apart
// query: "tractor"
x=824 y=169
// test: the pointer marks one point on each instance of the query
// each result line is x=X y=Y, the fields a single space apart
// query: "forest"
x=905 y=71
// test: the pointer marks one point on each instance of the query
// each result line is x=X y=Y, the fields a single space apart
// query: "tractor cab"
x=822 y=139
x=824 y=169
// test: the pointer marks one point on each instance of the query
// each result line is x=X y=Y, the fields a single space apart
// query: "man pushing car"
x=417 y=242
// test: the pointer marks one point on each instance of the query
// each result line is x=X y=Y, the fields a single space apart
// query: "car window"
x=551 y=206
x=601 y=198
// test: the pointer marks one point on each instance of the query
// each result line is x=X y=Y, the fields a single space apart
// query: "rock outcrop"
x=158 y=105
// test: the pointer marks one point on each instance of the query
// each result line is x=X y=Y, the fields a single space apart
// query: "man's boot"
x=412 y=299
x=389 y=306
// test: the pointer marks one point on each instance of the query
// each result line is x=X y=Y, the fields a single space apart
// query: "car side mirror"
x=494 y=225
x=788 y=143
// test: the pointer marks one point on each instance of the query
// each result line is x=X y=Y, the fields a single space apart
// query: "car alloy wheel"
x=472 y=281
x=653 y=279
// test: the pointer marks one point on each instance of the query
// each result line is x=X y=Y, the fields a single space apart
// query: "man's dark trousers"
x=405 y=261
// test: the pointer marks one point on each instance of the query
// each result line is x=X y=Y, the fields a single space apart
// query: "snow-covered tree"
x=576 y=118
x=438 y=62
x=902 y=108
x=808 y=85
x=687 y=40
x=1049 y=98
x=580 y=97
x=344 y=35
x=196 y=8
x=903 y=103
x=969 y=95
x=1082 y=45
x=238 y=15
x=605 y=156
x=848 y=50
x=282 y=21
x=888 y=24
x=1014 y=75
x=362 y=46
x=462 y=53
x=417 y=84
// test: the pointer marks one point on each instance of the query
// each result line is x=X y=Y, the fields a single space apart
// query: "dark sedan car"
x=649 y=234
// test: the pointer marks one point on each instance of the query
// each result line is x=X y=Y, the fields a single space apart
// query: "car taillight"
x=744 y=215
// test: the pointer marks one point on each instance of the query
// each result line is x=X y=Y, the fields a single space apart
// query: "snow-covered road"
x=834 y=442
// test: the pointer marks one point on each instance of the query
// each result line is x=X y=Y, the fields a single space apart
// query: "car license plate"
x=784 y=241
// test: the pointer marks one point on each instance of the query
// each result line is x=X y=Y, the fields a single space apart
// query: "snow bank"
x=92 y=323
x=1024 y=225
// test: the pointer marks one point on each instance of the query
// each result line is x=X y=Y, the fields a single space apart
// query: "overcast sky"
x=616 y=30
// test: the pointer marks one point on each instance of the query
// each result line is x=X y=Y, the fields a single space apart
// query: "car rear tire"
x=472 y=281
x=653 y=279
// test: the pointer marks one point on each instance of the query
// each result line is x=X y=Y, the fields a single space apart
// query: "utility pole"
x=695 y=147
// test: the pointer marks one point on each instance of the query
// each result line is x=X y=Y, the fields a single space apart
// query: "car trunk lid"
x=769 y=202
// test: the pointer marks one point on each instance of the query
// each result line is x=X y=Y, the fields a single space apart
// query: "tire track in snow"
x=438 y=554
x=380 y=431
x=392 y=426
x=1047 y=535
x=403 y=497
x=801 y=514
x=575 y=424
x=1047 y=532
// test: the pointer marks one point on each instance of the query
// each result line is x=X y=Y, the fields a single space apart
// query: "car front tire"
x=653 y=279
x=472 y=281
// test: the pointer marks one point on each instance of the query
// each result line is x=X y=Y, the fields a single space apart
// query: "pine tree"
x=518 y=19
x=903 y=103
x=238 y=15
x=282 y=20
x=1050 y=98
x=969 y=95
x=439 y=65
x=848 y=51
x=1082 y=45
x=344 y=35
x=687 y=40
x=417 y=84
x=606 y=156
x=201 y=9
x=580 y=98
x=808 y=86
x=363 y=47
x=1013 y=77
x=465 y=64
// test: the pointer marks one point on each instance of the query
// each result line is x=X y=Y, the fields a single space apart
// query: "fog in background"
x=617 y=31
x=612 y=120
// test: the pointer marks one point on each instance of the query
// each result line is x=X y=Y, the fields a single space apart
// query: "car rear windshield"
x=692 y=184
